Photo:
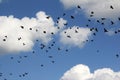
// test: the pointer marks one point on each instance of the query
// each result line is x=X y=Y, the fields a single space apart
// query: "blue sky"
x=108 y=46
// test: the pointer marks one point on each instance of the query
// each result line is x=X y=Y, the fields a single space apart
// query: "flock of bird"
x=47 y=48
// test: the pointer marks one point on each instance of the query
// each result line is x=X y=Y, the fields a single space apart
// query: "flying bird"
x=68 y=36
x=111 y=7
x=22 y=27
x=105 y=30
x=72 y=17
x=117 y=55
x=92 y=12
x=112 y=22
x=4 y=39
x=48 y=17
x=44 y=31
x=79 y=7
x=30 y=28
x=64 y=14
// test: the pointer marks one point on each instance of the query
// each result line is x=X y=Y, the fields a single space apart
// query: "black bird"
x=105 y=30
x=96 y=29
x=115 y=32
x=57 y=21
x=58 y=27
x=41 y=65
x=111 y=7
x=112 y=22
x=89 y=20
x=97 y=51
x=79 y=7
x=94 y=34
x=72 y=17
x=18 y=61
x=25 y=56
x=118 y=30
x=48 y=17
x=76 y=31
x=19 y=38
x=65 y=32
x=52 y=44
x=103 y=18
x=22 y=27
x=4 y=39
x=23 y=75
x=119 y=18
x=20 y=76
x=37 y=40
x=20 y=57
x=36 y=30
x=5 y=36
x=59 y=49
x=11 y=57
x=98 y=21
x=66 y=50
x=117 y=55
x=92 y=40
x=70 y=27
x=68 y=36
x=87 y=25
x=30 y=28
x=46 y=51
x=11 y=74
x=64 y=14
x=50 y=56
x=102 y=23
x=66 y=24
x=26 y=73
x=53 y=61
x=23 y=44
x=33 y=52
x=44 y=31
x=77 y=27
x=91 y=29
x=52 y=33
x=58 y=18
x=49 y=47
x=91 y=15
x=92 y=12
x=87 y=40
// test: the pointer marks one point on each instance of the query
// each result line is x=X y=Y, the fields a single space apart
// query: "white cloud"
x=10 y=30
x=14 y=39
x=82 y=72
x=75 y=36
x=101 y=8
x=61 y=23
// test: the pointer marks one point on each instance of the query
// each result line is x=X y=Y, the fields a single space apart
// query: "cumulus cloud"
x=75 y=36
x=61 y=23
x=19 y=34
x=101 y=8
x=82 y=72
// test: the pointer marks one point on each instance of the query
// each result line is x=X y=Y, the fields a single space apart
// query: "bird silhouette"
x=22 y=27
x=111 y=7
x=72 y=17
x=79 y=7
x=105 y=30
x=48 y=17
